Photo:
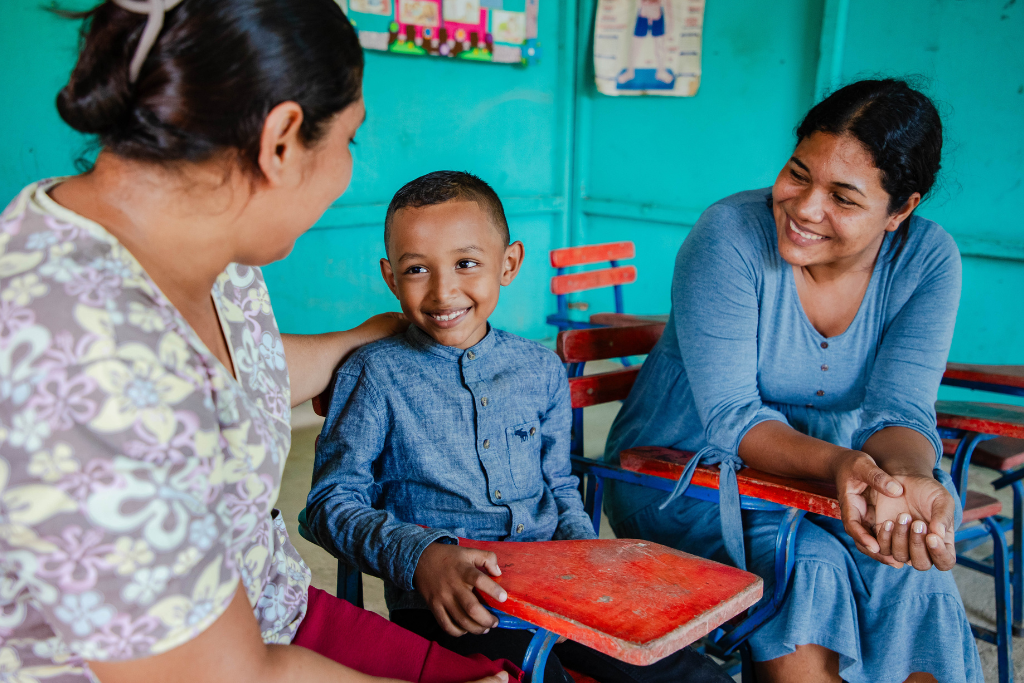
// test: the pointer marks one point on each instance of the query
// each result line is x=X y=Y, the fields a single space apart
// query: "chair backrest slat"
x=591 y=253
x=592 y=390
x=592 y=279
x=600 y=343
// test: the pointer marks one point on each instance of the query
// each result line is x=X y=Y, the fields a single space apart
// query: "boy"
x=456 y=426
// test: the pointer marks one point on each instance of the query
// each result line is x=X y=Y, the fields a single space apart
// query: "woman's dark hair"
x=897 y=125
x=215 y=72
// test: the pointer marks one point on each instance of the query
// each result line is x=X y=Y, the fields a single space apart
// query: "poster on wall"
x=500 y=31
x=648 y=47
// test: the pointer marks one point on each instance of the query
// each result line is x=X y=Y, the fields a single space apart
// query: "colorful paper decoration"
x=648 y=47
x=502 y=31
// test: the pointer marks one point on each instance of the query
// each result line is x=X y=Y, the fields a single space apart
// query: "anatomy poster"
x=502 y=31
x=648 y=47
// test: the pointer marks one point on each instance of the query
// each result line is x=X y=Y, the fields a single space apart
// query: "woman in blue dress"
x=809 y=331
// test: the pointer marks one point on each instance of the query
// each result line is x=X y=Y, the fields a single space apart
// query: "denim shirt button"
x=819 y=392
x=519 y=529
x=824 y=368
x=497 y=494
x=470 y=355
x=487 y=444
x=483 y=401
x=533 y=430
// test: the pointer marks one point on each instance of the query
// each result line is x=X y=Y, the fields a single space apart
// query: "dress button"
x=470 y=355
x=483 y=401
x=824 y=368
x=820 y=392
x=824 y=345
x=497 y=494
x=809 y=405
x=533 y=430
x=487 y=442
x=519 y=529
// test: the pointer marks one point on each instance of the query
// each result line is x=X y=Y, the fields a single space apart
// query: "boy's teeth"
x=448 y=316
x=805 y=235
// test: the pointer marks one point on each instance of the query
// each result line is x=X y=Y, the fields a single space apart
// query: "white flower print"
x=41 y=240
x=187 y=559
x=11 y=670
x=85 y=613
x=129 y=554
x=139 y=389
x=202 y=533
x=272 y=351
x=28 y=431
x=259 y=300
x=186 y=616
x=51 y=466
x=272 y=602
x=60 y=267
x=147 y=318
x=21 y=290
x=147 y=584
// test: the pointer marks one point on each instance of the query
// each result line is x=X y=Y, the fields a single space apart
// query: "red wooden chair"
x=615 y=276
x=661 y=468
x=591 y=592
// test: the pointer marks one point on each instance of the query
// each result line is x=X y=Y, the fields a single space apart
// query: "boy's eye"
x=413 y=270
x=467 y=263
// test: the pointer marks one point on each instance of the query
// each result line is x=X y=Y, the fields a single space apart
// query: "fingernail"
x=918 y=527
x=894 y=488
x=487 y=630
x=888 y=525
x=933 y=541
x=942 y=530
x=503 y=597
x=903 y=518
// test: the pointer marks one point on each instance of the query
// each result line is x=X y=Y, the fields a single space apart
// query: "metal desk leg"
x=537 y=655
x=1018 y=558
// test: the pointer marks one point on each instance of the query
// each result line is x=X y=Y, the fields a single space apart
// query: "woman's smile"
x=802 y=236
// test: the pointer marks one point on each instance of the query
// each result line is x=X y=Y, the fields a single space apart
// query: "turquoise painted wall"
x=577 y=167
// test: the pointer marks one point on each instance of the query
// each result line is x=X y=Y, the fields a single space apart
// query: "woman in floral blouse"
x=145 y=390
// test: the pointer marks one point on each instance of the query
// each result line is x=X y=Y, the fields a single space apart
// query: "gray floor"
x=977 y=589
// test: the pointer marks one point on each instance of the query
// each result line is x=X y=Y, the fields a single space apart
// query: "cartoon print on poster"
x=648 y=47
x=499 y=31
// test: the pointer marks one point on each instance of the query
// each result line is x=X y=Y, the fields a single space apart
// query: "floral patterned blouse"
x=137 y=476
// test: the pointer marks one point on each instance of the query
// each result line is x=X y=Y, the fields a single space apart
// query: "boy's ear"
x=514 y=255
x=389 y=275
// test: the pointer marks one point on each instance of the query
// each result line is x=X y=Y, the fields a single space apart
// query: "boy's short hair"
x=446 y=186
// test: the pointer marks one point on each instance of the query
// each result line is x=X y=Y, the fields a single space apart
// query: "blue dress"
x=739 y=350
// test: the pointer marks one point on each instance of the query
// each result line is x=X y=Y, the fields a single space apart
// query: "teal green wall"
x=577 y=167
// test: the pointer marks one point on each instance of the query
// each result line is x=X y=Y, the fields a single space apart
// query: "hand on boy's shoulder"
x=446 y=576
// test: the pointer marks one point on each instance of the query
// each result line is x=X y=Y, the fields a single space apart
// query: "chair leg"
x=747 y=673
x=537 y=652
x=350 y=583
x=1004 y=641
x=1018 y=558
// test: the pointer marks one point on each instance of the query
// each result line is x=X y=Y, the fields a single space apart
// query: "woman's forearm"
x=775 y=447
x=312 y=358
x=901 y=451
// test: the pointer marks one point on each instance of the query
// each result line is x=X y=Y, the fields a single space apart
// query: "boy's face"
x=447 y=262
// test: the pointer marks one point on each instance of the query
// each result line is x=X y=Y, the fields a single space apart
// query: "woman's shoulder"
x=739 y=227
x=928 y=248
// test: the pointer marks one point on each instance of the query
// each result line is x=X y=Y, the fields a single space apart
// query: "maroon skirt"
x=371 y=644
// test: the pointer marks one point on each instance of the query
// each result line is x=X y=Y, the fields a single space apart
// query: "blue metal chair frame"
x=959 y=470
x=350 y=587
x=730 y=637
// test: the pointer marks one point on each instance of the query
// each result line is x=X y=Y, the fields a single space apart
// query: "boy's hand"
x=446 y=576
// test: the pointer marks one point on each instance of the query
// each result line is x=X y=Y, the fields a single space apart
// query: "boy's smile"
x=447 y=263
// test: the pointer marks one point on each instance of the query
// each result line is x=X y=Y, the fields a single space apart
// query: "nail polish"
x=919 y=527
x=903 y=518
x=888 y=525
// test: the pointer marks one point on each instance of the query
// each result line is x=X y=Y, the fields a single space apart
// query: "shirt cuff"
x=409 y=556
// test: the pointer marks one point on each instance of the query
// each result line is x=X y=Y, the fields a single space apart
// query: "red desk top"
x=634 y=600
x=1002 y=375
x=814 y=496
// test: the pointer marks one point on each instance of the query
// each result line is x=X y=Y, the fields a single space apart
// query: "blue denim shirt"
x=471 y=443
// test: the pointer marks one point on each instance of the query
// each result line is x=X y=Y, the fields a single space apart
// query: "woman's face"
x=312 y=178
x=829 y=204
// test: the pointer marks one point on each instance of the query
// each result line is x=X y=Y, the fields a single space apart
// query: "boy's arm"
x=555 y=429
x=339 y=507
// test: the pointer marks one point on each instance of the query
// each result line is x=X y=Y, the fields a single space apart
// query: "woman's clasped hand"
x=895 y=519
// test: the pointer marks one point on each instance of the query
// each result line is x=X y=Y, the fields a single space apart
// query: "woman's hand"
x=446 y=576
x=860 y=485
x=917 y=528
x=382 y=325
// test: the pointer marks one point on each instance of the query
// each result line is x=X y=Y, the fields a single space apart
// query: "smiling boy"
x=456 y=426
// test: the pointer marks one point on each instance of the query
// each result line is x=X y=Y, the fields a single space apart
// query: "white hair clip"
x=155 y=10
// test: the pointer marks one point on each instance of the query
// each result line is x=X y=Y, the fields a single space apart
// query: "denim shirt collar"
x=421 y=339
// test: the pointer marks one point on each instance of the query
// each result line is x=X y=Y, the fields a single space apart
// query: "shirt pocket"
x=524 y=442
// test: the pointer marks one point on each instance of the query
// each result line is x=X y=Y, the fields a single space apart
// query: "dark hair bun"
x=217 y=69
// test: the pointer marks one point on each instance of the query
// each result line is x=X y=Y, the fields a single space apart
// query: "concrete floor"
x=976 y=588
